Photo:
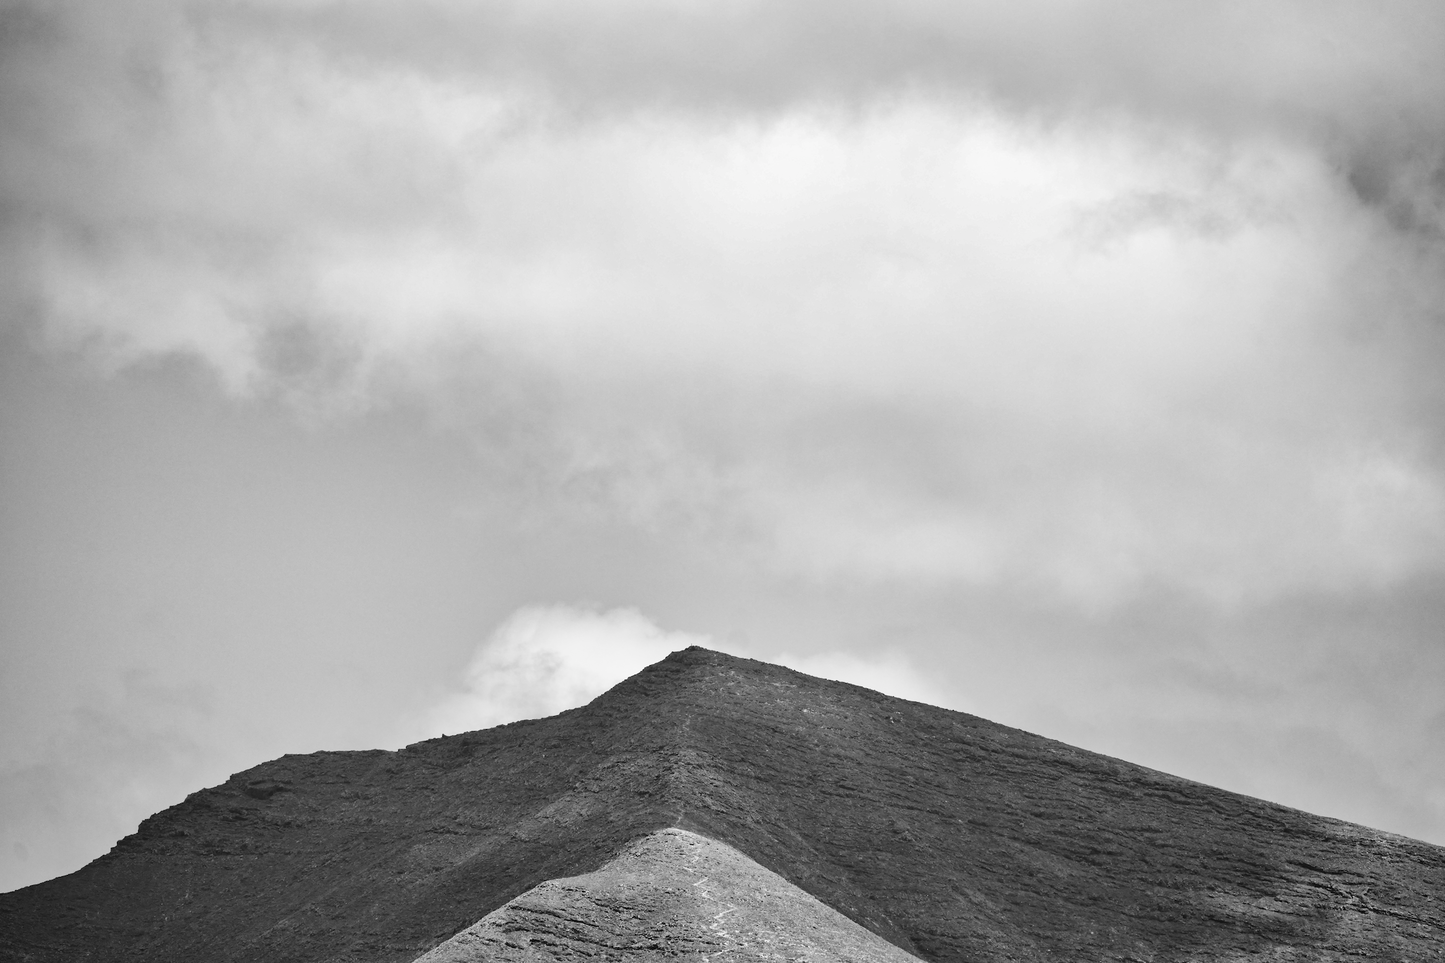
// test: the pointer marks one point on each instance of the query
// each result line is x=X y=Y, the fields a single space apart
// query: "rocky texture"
x=950 y=836
x=670 y=895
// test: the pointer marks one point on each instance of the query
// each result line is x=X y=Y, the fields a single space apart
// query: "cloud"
x=1357 y=80
x=544 y=659
x=757 y=53
x=1049 y=300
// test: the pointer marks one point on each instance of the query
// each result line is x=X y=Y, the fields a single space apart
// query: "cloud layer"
x=1044 y=299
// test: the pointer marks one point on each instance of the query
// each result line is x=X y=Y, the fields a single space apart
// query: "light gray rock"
x=672 y=895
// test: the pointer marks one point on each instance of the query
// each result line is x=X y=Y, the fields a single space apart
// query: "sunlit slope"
x=669 y=895
x=949 y=836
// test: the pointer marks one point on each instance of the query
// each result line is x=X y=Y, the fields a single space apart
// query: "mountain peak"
x=950 y=837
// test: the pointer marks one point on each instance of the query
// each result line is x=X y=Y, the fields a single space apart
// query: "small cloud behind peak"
x=544 y=659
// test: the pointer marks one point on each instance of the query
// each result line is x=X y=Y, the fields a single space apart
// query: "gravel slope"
x=670 y=895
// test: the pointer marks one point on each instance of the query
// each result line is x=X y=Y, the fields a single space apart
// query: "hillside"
x=671 y=893
x=949 y=836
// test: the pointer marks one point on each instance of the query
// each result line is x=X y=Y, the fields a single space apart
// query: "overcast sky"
x=382 y=368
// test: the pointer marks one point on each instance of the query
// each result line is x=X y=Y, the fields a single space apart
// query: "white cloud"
x=849 y=328
x=544 y=659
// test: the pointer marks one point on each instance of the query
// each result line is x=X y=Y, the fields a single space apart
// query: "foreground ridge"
x=951 y=837
x=670 y=894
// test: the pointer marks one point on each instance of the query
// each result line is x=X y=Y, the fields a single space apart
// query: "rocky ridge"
x=951 y=837
x=670 y=895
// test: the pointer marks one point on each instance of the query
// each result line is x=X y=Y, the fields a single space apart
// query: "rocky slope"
x=670 y=894
x=949 y=836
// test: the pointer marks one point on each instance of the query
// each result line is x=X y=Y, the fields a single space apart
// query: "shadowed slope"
x=668 y=895
x=960 y=839
x=374 y=856
x=950 y=836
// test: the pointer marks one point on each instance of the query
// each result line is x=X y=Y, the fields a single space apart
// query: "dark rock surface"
x=950 y=836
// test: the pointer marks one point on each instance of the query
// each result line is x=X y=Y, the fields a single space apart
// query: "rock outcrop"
x=950 y=837
x=670 y=895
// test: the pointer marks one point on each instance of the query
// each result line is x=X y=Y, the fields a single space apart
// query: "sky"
x=374 y=369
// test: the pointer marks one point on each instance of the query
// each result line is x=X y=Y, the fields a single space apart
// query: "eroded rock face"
x=949 y=836
x=672 y=895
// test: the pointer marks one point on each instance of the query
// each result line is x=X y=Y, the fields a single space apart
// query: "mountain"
x=947 y=836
